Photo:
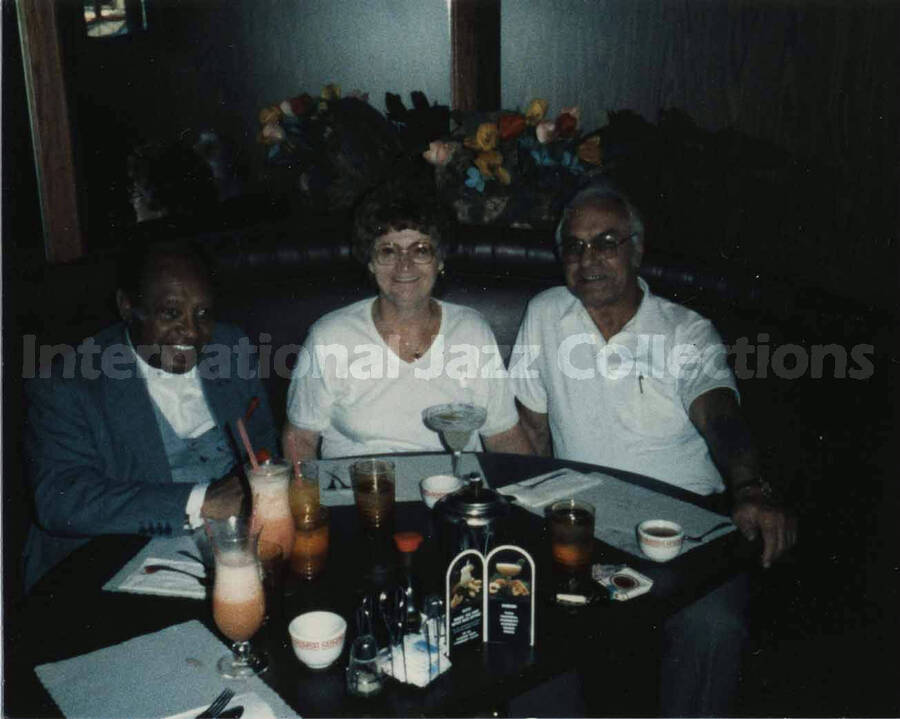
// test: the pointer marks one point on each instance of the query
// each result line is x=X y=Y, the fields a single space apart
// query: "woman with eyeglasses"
x=366 y=371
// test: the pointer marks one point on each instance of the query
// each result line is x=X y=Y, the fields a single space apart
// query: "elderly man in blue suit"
x=140 y=444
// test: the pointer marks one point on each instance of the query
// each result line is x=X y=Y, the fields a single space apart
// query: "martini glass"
x=456 y=422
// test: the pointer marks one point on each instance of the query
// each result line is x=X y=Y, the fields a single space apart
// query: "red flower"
x=301 y=104
x=566 y=125
x=511 y=125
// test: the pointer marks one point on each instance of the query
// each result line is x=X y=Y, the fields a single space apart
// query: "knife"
x=233 y=713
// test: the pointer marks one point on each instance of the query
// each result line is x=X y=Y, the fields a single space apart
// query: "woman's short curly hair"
x=394 y=207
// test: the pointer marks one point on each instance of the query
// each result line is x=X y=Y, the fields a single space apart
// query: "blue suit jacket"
x=95 y=456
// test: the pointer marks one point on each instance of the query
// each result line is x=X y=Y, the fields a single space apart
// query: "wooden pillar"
x=475 y=47
x=50 y=129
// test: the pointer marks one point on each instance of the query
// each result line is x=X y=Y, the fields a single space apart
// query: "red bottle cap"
x=262 y=455
x=408 y=541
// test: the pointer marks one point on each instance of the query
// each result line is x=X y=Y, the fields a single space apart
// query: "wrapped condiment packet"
x=621 y=581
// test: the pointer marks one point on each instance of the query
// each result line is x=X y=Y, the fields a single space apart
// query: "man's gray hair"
x=595 y=193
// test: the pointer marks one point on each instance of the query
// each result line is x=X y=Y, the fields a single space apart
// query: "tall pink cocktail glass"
x=238 y=599
x=269 y=485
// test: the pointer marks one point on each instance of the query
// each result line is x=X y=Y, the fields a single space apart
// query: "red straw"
x=246 y=440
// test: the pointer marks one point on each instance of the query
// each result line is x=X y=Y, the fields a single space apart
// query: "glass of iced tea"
x=238 y=599
x=304 y=489
x=373 y=488
x=571 y=525
x=310 y=543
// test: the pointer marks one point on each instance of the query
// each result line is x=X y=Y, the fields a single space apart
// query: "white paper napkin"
x=254 y=708
x=558 y=485
x=164 y=582
x=150 y=676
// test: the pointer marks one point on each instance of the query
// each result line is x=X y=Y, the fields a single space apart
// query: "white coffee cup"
x=318 y=638
x=437 y=486
x=660 y=539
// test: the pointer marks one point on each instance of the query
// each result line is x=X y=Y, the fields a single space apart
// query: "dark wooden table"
x=68 y=614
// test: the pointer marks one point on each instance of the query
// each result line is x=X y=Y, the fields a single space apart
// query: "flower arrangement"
x=329 y=148
x=510 y=167
x=520 y=163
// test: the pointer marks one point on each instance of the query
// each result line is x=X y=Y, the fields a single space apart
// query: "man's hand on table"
x=754 y=516
x=224 y=497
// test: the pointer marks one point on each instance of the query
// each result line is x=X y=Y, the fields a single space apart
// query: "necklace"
x=411 y=348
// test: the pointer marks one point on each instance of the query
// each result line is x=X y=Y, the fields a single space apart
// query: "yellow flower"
x=331 y=92
x=488 y=161
x=535 y=111
x=485 y=138
x=269 y=115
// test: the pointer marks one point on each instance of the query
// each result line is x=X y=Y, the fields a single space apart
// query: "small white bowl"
x=437 y=486
x=660 y=539
x=318 y=638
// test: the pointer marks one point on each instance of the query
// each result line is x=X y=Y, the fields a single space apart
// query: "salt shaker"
x=364 y=677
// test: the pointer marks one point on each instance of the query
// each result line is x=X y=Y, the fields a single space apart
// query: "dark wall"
x=178 y=75
x=818 y=79
x=22 y=249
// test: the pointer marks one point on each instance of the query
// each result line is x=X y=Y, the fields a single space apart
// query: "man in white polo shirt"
x=607 y=372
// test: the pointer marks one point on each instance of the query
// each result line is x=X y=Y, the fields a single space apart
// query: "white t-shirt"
x=622 y=403
x=350 y=386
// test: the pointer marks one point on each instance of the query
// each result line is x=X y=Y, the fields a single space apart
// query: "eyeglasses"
x=421 y=253
x=606 y=245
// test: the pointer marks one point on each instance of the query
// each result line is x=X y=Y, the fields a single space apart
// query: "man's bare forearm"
x=299 y=443
x=718 y=418
x=537 y=429
x=731 y=446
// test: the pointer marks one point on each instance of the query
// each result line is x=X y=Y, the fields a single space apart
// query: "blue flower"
x=474 y=179
x=570 y=162
x=542 y=157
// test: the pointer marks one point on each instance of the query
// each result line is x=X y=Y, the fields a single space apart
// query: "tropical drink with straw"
x=269 y=482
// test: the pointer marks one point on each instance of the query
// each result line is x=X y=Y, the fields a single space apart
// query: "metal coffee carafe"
x=473 y=517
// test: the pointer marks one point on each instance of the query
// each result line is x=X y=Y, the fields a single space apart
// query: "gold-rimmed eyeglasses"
x=389 y=254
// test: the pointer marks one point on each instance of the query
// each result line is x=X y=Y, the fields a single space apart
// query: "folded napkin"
x=150 y=676
x=621 y=506
x=166 y=583
x=254 y=708
x=559 y=484
x=162 y=550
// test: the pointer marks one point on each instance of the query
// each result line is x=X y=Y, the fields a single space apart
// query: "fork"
x=218 y=704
